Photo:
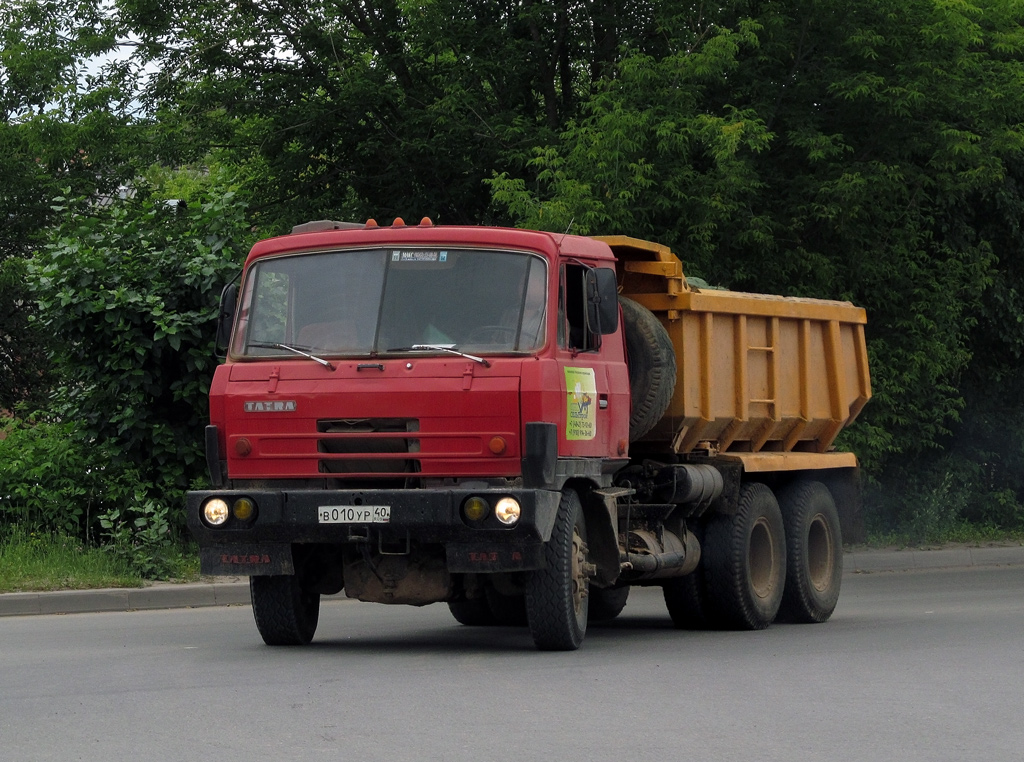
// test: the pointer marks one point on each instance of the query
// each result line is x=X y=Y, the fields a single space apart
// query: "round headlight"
x=508 y=511
x=475 y=508
x=243 y=509
x=215 y=512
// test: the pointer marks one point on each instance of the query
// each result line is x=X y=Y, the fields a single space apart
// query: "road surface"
x=913 y=666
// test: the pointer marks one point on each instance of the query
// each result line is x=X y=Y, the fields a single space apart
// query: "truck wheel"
x=507 y=610
x=472 y=612
x=606 y=603
x=285 y=609
x=556 y=596
x=686 y=598
x=687 y=602
x=651 y=360
x=814 y=553
x=745 y=562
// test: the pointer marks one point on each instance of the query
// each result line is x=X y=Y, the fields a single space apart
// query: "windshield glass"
x=376 y=301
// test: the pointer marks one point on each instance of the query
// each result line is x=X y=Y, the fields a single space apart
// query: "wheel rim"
x=579 y=579
x=762 y=559
x=820 y=553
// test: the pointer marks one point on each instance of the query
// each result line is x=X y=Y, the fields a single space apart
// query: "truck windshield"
x=375 y=301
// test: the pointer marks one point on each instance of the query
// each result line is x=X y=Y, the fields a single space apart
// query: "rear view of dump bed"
x=755 y=373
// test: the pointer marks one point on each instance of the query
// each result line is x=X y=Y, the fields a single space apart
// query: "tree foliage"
x=130 y=292
x=862 y=150
x=865 y=151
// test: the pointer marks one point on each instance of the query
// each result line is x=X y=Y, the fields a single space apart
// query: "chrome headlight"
x=215 y=511
x=508 y=511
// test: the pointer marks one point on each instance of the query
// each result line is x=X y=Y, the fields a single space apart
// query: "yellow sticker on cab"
x=581 y=403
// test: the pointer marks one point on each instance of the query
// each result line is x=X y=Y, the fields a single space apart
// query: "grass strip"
x=36 y=561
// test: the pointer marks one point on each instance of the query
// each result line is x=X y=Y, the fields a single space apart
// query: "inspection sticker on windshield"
x=419 y=256
x=354 y=514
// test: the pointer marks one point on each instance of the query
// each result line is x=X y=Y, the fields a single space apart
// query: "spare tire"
x=652 y=367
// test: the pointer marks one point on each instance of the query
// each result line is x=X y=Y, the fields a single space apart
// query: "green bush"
x=130 y=293
x=56 y=482
x=140 y=536
x=55 y=478
x=937 y=500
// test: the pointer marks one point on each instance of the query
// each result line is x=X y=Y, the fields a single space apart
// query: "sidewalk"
x=231 y=591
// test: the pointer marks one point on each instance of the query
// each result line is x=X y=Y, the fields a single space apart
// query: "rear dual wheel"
x=814 y=552
x=745 y=561
x=774 y=559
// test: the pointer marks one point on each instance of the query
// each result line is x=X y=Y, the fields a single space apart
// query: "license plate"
x=354 y=514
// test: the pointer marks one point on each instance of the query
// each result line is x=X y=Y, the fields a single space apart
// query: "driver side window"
x=573 y=333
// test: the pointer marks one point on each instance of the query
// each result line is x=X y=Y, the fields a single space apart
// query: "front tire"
x=814 y=551
x=556 y=596
x=286 y=610
x=745 y=569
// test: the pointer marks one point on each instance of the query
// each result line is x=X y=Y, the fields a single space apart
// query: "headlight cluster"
x=216 y=511
x=476 y=510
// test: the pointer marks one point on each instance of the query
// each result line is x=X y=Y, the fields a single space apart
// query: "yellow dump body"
x=757 y=375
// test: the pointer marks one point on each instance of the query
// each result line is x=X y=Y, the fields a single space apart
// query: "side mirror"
x=226 y=317
x=602 y=301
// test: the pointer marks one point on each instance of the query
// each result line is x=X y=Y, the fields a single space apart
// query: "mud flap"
x=250 y=560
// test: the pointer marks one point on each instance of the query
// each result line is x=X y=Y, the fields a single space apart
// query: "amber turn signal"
x=475 y=508
x=243 y=509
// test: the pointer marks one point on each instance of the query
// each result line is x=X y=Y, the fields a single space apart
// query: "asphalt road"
x=913 y=666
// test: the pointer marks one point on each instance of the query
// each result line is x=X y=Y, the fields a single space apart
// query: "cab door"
x=594 y=421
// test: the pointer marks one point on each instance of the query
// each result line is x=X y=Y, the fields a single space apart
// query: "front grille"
x=368 y=446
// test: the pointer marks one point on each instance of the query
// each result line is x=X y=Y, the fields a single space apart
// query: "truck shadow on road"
x=451 y=639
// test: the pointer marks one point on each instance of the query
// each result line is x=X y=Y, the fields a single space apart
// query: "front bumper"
x=418 y=517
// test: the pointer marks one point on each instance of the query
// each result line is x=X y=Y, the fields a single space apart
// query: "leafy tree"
x=861 y=151
x=61 y=127
x=54 y=480
x=130 y=290
x=378 y=107
x=868 y=150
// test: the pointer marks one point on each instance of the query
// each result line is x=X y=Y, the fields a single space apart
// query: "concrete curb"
x=857 y=561
x=234 y=591
x=161 y=596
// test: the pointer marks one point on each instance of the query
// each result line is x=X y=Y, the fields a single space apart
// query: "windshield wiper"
x=449 y=348
x=326 y=363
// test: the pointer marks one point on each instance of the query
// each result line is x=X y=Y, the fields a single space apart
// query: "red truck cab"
x=400 y=409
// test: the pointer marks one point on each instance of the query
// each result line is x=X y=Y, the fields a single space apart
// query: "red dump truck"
x=524 y=425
